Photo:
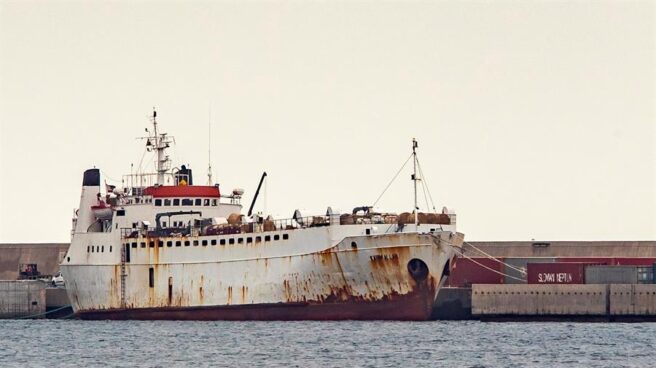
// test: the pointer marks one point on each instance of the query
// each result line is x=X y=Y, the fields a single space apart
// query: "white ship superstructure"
x=163 y=248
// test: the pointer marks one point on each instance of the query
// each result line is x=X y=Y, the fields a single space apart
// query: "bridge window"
x=249 y=240
x=214 y=202
x=205 y=242
x=143 y=244
x=276 y=237
x=151 y=244
x=213 y=241
x=285 y=236
x=187 y=202
x=206 y=202
x=267 y=238
x=120 y=213
x=134 y=245
x=258 y=239
x=240 y=240
x=167 y=202
x=178 y=243
x=102 y=249
x=222 y=241
x=169 y=243
x=158 y=202
x=198 y=201
x=176 y=202
x=160 y=244
x=231 y=241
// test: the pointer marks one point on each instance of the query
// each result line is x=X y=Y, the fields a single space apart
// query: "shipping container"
x=611 y=274
x=645 y=274
x=466 y=272
x=589 y=260
x=611 y=261
x=556 y=273
x=513 y=276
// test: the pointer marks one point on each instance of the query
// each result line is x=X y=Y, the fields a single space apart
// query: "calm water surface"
x=72 y=343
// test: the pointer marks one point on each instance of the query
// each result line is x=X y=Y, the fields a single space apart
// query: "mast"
x=414 y=179
x=209 y=149
x=160 y=142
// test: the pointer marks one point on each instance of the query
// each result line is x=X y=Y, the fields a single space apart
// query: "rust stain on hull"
x=414 y=306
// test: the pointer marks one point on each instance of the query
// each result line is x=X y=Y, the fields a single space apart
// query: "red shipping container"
x=466 y=272
x=556 y=273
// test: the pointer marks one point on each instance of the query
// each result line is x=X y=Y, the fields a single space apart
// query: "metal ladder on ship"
x=123 y=274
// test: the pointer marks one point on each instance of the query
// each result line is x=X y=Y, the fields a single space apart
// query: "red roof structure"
x=183 y=191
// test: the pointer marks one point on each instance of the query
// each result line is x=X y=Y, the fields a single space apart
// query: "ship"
x=162 y=248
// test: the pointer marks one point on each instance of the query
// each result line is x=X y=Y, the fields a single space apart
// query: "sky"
x=535 y=119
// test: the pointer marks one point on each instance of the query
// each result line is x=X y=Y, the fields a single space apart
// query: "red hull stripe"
x=183 y=191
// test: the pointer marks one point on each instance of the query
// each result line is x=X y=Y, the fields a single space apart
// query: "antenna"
x=209 y=148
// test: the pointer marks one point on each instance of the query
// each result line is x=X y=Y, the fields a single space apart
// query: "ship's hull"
x=376 y=280
x=410 y=307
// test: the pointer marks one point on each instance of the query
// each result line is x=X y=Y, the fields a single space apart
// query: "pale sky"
x=534 y=119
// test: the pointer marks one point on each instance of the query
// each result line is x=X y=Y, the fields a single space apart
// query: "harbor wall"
x=612 y=301
x=47 y=257
x=19 y=299
x=566 y=249
x=453 y=304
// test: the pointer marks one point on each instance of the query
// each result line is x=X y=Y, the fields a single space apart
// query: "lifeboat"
x=102 y=211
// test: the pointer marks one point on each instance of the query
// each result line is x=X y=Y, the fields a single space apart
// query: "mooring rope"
x=460 y=252
x=520 y=270
x=491 y=269
x=45 y=313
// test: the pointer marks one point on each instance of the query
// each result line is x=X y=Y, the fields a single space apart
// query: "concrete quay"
x=603 y=302
x=22 y=299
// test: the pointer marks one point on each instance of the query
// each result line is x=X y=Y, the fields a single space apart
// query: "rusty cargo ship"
x=163 y=248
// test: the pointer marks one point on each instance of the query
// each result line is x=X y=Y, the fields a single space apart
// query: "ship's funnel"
x=89 y=197
x=91 y=178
